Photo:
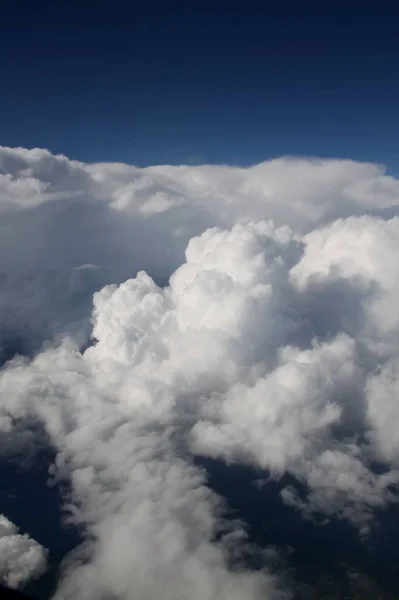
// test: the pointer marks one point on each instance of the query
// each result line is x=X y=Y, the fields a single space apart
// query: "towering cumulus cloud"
x=21 y=558
x=247 y=315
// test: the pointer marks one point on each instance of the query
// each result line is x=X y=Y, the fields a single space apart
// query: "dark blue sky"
x=185 y=82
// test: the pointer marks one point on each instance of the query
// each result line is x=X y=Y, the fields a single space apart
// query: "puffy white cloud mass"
x=246 y=314
x=21 y=558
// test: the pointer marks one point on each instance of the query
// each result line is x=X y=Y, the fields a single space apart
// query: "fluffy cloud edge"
x=21 y=557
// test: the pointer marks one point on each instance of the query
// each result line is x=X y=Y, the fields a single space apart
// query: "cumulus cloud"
x=150 y=520
x=244 y=314
x=21 y=557
x=58 y=215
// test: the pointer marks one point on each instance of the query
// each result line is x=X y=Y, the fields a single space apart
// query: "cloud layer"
x=21 y=558
x=243 y=314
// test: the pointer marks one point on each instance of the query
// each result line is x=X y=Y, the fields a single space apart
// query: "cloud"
x=21 y=558
x=58 y=215
x=382 y=410
x=244 y=314
x=150 y=520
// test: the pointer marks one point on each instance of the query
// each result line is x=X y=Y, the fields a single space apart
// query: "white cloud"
x=383 y=410
x=21 y=558
x=151 y=518
x=281 y=420
x=251 y=316
x=59 y=214
x=359 y=250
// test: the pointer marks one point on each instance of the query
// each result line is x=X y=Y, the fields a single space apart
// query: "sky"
x=188 y=83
